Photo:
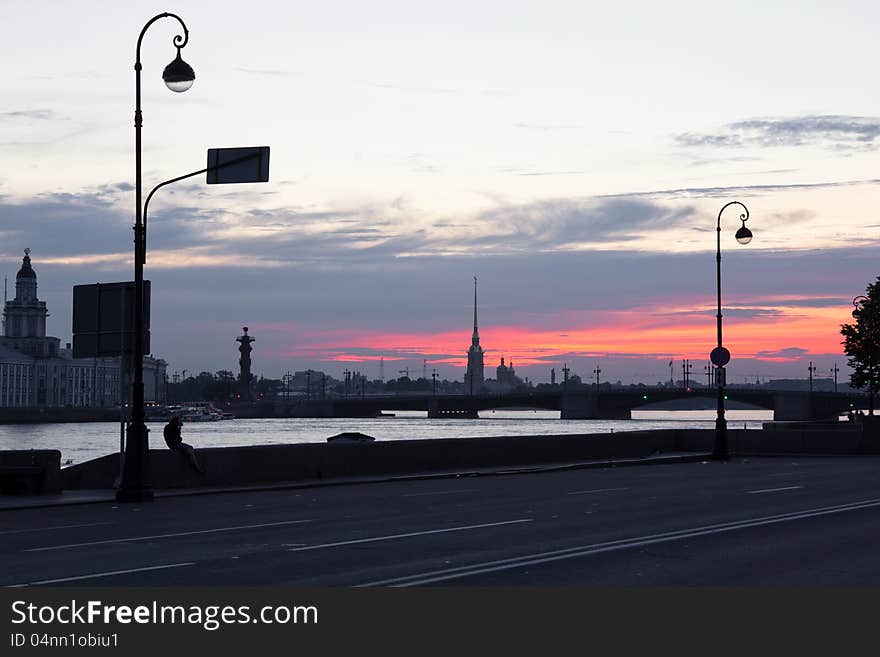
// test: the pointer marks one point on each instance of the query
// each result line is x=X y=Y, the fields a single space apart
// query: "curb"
x=293 y=485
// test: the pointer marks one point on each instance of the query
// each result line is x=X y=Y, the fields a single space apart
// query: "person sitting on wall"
x=174 y=441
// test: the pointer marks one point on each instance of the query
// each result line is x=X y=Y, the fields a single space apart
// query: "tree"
x=861 y=342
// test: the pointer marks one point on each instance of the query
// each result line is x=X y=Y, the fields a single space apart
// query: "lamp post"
x=720 y=356
x=135 y=485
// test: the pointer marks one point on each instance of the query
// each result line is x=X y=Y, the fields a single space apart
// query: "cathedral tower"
x=473 y=378
x=25 y=316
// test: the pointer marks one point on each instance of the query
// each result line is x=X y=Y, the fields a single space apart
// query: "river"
x=80 y=442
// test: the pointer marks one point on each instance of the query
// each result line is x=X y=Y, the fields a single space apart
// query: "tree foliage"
x=861 y=340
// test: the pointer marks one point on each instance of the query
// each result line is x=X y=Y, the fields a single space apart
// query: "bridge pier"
x=436 y=412
x=791 y=406
x=581 y=406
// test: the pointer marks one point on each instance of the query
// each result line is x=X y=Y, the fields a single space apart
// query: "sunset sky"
x=572 y=155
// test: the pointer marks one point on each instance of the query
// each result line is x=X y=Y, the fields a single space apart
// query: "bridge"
x=581 y=404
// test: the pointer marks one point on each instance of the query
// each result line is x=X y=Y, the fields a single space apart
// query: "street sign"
x=103 y=319
x=238 y=165
x=720 y=356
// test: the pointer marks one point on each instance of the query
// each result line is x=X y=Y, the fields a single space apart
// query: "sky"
x=574 y=156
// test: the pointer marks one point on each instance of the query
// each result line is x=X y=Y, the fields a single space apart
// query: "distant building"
x=506 y=374
x=36 y=371
x=473 y=378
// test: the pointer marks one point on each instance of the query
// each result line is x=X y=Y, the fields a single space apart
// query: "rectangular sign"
x=103 y=319
x=238 y=165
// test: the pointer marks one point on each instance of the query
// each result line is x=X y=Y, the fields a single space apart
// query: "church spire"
x=476 y=336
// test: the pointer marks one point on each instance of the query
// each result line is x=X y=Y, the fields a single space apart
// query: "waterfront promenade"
x=756 y=521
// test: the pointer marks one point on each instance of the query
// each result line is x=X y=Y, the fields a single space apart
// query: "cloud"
x=560 y=223
x=718 y=192
x=837 y=132
x=787 y=354
x=37 y=114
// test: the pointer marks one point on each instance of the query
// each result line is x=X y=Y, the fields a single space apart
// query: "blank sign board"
x=103 y=319
x=238 y=165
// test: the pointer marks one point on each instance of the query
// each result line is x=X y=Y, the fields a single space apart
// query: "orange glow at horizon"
x=646 y=333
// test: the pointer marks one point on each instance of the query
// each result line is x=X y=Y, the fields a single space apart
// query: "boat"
x=351 y=437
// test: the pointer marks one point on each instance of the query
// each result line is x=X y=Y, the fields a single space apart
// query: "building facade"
x=506 y=374
x=36 y=371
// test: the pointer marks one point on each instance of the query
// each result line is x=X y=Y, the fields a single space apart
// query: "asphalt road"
x=780 y=521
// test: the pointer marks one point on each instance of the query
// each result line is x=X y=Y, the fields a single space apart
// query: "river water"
x=80 y=442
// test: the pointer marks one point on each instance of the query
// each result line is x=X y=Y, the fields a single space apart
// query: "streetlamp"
x=720 y=356
x=135 y=485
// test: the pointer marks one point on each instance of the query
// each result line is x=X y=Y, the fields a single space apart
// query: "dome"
x=26 y=270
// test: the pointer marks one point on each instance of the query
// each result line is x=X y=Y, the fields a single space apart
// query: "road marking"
x=45 y=529
x=610 y=546
x=784 y=474
x=106 y=574
x=597 y=490
x=147 y=538
x=773 y=490
x=392 y=537
x=442 y=492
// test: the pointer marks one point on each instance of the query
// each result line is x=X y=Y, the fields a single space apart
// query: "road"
x=780 y=521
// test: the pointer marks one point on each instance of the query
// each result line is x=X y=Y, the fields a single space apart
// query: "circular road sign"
x=720 y=356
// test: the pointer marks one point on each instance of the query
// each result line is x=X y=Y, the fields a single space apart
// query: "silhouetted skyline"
x=571 y=157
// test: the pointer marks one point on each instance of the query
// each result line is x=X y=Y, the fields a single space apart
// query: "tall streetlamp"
x=720 y=356
x=135 y=485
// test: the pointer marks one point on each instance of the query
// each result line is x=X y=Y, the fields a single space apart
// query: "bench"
x=30 y=472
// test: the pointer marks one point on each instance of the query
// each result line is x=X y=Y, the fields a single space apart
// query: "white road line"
x=106 y=574
x=147 y=538
x=45 y=529
x=597 y=490
x=392 y=537
x=442 y=492
x=772 y=490
x=784 y=474
x=609 y=546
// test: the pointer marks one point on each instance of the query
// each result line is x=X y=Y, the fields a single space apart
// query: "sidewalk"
x=70 y=497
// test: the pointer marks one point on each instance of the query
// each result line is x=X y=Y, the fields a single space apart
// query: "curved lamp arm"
x=155 y=189
x=178 y=41
x=744 y=217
